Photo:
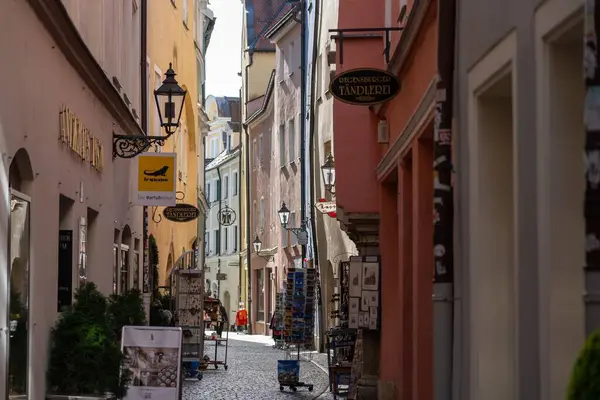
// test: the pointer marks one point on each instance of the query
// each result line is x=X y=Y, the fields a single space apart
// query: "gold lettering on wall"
x=79 y=139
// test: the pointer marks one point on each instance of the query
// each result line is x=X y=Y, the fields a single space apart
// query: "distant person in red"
x=241 y=318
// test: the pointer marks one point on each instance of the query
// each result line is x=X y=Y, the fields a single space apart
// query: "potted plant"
x=85 y=356
x=126 y=309
x=585 y=384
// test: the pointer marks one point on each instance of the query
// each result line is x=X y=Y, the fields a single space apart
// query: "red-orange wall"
x=404 y=198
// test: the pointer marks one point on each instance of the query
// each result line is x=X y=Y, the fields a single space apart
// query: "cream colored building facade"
x=73 y=77
x=519 y=285
x=333 y=244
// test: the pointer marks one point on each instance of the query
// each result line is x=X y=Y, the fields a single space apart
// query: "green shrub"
x=85 y=356
x=126 y=309
x=585 y=378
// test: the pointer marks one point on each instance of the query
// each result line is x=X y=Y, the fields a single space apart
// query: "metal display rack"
x=212 y=308
x=188 y=302
x=298 y=325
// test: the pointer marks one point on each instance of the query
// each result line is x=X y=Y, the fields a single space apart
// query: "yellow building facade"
x=172 y=39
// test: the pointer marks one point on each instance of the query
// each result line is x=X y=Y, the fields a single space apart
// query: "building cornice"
x=56 y=20
x=282 y=27
x=420 y=117
x=414 y=22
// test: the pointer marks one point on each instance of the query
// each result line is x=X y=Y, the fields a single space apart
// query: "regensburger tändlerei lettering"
x=365 y=86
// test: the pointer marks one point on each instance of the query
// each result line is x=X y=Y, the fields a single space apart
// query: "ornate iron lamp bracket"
x=126 y=146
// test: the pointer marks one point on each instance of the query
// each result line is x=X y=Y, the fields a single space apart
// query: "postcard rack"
x=189 y=317
x=298 y=324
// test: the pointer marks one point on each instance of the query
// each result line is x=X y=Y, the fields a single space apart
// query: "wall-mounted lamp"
x=328 y=170
x=169 y=98
x=284 y=218
x=257 y=248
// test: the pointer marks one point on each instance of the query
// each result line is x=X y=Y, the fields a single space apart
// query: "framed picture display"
x=355 y=279
x=373 y=322
x=365 y=301
x=370 y=275
x=372 y=298
x=354 y=305
x=353 y=320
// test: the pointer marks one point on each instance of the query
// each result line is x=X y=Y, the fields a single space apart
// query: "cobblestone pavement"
x=252 y=375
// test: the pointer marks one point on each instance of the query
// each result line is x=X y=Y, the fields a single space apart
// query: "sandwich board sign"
x=156 y=179
x=153 y=356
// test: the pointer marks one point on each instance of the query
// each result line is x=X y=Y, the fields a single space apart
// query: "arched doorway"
x=20 y=184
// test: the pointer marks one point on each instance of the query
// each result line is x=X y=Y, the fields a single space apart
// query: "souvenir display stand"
x=340 y=339
x=188 y=303
x=298 y=325
x=212 y=308
x=364 y=308
x=277 y=326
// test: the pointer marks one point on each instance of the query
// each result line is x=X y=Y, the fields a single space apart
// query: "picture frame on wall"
x=373 y=322
x=364 y=301
x=370 y=275
x=353 y=320
x=355 y=279
x=372 y=297
x=353 y=305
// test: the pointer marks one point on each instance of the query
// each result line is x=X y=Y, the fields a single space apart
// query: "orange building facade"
x=384 y=156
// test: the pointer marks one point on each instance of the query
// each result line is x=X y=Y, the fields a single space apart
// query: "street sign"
x=365 y=86
x=326 y=207
x=181 y=212
x=156 y=177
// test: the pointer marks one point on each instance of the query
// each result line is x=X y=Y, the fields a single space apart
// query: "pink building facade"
x=58 y=180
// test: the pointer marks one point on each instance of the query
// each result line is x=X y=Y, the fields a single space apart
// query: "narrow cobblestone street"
x=252 y=375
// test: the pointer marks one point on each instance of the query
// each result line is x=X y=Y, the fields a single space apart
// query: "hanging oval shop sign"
x=181 y=212
x=365 y=86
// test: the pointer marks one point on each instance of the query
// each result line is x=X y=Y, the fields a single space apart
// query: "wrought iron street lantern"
x=301 y=233
x=284 y=215
x=169 y=98
x=257 y=245
x=328 y=170
x=169 y=102
x=257 y=248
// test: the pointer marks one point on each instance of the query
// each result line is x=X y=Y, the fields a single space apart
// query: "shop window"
x=19 y=294
x=136 y=265
x=117 y=236
x=260 y=280
x=124 y=271
x=82 y=259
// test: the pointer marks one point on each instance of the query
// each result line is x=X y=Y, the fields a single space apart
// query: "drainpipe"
x=303 y=93
x=443 y=281
x=247 y=179
x=312 y=165
x=239 y=192
x=147 y=291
